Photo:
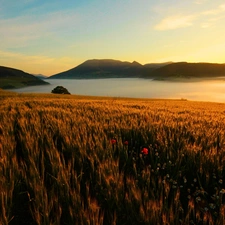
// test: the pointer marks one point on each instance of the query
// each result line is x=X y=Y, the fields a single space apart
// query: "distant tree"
x=60 y=90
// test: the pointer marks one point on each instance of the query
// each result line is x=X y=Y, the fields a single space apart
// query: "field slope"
x=88 y=160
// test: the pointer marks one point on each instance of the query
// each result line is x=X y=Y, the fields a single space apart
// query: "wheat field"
x=89 y=160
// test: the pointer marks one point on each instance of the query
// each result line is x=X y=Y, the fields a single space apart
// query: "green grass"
x=58 y=164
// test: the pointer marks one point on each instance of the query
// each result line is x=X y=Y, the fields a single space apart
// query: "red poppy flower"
x=144 y=151
x=125 y=142
x=113 y=141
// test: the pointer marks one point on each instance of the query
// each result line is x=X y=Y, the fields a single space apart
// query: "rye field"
x=100 y=161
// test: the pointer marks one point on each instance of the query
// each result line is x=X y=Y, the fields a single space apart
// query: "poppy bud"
x=113 y=141
x=144 y=151
x=125 y=142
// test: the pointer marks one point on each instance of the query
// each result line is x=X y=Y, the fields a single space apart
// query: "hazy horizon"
x=121 y=61
x=50 y=37
x=207 y=90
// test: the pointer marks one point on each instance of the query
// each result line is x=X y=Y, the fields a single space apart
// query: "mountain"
x=188 y=71
x=108 y=68
x=102 y=68
x=41 y=76
x=13 y=78
x=156 y=65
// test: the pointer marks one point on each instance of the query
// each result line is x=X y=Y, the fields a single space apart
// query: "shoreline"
x=190 y=79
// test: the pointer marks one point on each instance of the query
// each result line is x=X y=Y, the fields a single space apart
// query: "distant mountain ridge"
x=157 y=65
x=108 y=68
x=13 y=78
x=41 y=76
x=102 y=68
x=189 y=70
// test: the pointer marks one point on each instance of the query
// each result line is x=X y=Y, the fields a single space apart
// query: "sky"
x=51 y=36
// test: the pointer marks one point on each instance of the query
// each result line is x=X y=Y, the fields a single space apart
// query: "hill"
x=41 y=76
x=156 y=65
x=108 y=68
x=102 y=68
x=13 y=78
x=184 y=70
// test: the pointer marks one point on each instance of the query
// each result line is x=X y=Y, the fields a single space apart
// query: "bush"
x=60 y=90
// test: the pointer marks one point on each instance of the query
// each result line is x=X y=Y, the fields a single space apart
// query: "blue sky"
x=51 y=36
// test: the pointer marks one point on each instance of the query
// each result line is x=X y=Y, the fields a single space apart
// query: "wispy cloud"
x=180 y=21
x=216 y=11
x=199 y=2
x=21 y=30
x=206 y=25
x=174 y=22
x=213 y=16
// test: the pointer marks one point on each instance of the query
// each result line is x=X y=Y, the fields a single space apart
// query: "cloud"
x=217 y=11
x=199 y=2
x=175 y=22
x=210 y=17
x=20 y=30
x=206 y=25
x=213 y=16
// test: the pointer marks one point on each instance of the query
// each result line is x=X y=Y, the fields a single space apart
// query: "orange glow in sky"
x=48 y=37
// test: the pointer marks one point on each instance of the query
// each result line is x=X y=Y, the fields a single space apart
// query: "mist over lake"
x=209 y=90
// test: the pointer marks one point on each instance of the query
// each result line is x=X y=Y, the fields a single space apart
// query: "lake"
x=208 y=90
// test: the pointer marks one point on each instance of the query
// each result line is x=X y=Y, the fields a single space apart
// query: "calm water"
x=138 y=88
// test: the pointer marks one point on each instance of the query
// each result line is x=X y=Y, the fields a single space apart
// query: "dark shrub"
x=60 y=90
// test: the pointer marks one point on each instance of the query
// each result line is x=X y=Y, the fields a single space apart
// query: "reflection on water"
x=138 y=88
